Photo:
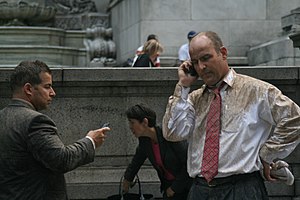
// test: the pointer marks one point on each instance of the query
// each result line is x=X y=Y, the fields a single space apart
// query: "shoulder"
x=253 y=87
x=184 y=47
x=143 y=58
x=144 y=141
x=23 y=111
x=140 y=48
x=142 y=61
x=242 y=80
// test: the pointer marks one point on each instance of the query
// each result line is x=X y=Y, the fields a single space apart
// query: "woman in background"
x=168 y=158
x=152 y=49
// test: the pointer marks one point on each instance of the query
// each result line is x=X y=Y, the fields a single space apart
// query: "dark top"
x=33 y=159
x=174 y=158
x=143 y=61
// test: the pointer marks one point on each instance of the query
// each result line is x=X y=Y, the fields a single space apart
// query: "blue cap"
x=191 y=34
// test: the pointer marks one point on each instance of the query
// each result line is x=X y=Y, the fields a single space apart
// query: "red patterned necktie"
x=210 y=161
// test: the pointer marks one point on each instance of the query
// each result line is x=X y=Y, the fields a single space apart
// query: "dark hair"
x=152 y=37
x=215 y=39
x=27 y=72
x=139 y=112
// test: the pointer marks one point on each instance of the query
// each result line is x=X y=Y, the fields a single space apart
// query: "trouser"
x=236 y=187
x=178 y=196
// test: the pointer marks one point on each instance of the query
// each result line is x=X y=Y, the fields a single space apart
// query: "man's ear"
x=28 y=89
x=145 y=121
x=223 y=51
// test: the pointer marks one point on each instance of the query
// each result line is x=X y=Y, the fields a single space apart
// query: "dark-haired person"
x=236 y=125
x=33 y=159
x=167 y=158
x=139 y=51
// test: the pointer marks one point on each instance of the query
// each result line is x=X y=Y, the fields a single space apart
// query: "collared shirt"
x=257 y=120
x=156 y=152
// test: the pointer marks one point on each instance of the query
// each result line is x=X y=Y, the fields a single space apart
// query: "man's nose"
x=52 y=92
x=201 y=65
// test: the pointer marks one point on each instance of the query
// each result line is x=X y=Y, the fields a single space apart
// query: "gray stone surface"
x=291 y=20
x=295 y=37
x=241 y=24
x=56 y=46
x=52 y=45
x=231 y=10
x=278 y=8
x=20 y=35
x=269 y=54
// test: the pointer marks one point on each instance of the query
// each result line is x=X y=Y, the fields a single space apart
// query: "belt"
x=225 y=180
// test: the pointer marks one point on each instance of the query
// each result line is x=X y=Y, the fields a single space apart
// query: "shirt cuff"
x=181 y=91
x=91 y=141
x=185 y=92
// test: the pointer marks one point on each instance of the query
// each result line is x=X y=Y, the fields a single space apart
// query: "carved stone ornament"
x=18 y=13
x=101 y=49
x=75 y=6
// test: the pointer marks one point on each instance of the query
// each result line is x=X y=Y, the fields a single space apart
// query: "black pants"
x=237 y=187
x=181 y=196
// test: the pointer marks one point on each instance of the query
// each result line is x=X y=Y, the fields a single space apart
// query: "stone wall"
x=240 y=23
x=88 y=97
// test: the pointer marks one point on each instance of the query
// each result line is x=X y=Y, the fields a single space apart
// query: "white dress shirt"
x=183 y=52
x=257 y=121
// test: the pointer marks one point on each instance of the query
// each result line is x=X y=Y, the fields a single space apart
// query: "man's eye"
x=194 y=62
x=205 y=58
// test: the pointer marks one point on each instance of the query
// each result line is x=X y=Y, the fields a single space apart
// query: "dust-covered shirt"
x=257 y=121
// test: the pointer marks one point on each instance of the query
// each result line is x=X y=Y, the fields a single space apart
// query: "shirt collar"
x=228 y=79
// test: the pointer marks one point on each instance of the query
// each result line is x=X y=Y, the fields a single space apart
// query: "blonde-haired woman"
x=152 y=49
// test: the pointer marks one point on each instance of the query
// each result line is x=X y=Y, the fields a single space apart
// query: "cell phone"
x=192 y=71
x=105 y=125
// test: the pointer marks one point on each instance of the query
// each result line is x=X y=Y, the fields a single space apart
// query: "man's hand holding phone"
x=105 y=125
x=99 y=135
x=187 y=74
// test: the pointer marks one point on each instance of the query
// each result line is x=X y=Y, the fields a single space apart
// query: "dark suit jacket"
x=33 y=159
x=143 y=61
x=174 y=158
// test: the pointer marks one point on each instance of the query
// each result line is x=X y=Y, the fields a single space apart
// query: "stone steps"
x=45 y=36
x=101 y=182
x=54 y=46
x=52 y=55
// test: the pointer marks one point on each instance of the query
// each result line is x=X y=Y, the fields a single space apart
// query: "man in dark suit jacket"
x=33 y=159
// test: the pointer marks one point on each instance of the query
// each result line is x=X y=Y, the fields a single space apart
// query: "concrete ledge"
x=128 y=74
